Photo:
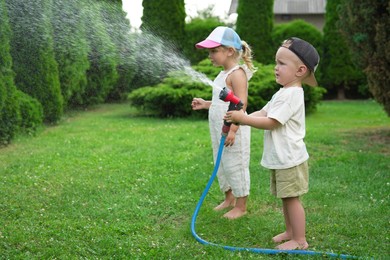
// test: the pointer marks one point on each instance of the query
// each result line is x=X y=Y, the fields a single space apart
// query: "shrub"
x=31 y=112
x=173 y=96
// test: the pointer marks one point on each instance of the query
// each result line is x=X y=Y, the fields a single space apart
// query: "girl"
x=227 y=50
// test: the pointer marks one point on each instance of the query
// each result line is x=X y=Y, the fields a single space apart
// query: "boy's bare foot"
x=292 y=245
x=224 y=205
x=234 y=213
x=281 y=237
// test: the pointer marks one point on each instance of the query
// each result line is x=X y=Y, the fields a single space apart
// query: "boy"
x=283 y=119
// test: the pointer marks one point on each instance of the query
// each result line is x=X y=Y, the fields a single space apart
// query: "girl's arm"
x=200 y=103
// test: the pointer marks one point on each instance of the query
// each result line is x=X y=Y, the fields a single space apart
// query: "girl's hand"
x=198 y=103
x=230 y=138
x=234 y=116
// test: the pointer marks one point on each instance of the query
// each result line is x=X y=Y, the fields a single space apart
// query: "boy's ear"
x=302 y=70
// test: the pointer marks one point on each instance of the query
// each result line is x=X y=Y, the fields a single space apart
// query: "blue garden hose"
x=254 y=250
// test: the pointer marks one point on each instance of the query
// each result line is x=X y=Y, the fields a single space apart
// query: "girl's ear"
x=231 y=51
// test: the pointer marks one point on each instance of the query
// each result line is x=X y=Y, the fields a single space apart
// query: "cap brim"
x=311 y=80
x=207 y=44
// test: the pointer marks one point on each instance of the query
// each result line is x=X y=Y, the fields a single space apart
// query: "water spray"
x=236 y=104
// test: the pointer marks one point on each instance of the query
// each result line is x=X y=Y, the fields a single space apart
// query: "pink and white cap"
x=221 y=36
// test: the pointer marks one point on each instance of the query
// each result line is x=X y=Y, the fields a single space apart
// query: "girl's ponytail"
x=246 y=56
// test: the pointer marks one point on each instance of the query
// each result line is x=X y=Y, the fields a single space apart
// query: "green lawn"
x=107 y=183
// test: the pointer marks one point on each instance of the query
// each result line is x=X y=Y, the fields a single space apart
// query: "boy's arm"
x=260 y=113
x=256 y=119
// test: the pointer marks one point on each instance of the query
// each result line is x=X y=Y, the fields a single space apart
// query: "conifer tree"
x=33 y=55
x=165 y=19
x=340 y=74
x=118 y=28
x=103 y=57
x=9 y=116
x=71 y=49
x=366 y=25
x=254 y=25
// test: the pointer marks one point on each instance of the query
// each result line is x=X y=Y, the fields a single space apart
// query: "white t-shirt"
x=284 y=146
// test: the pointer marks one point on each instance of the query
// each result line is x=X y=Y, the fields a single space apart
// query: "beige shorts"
x=291 y=182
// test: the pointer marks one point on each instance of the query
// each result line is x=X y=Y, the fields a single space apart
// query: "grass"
x=107 y=183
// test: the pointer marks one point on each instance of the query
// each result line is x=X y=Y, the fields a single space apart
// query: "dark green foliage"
x=118 y=28
x=71 y=49
x=103 y=56
x=165 y=19
x=9 y=116
x=33 y=56
x=297 y=28
x=254 y=25
x=31 y=112
x=366 y=26
x=197 y=30
x=340 y=76
x=173 y=96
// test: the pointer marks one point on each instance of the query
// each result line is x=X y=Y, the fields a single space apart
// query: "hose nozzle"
x=235 y=104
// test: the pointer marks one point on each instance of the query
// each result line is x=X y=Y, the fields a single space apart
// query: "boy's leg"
x=239 y=209
x=296 y=217
x=228 y=202
x=286 y=235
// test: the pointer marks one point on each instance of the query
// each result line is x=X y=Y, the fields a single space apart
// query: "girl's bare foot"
x=224 y=205
x=234 y=213
x=281 y=237
x=292 y=245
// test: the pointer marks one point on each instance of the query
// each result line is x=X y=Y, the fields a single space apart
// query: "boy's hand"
x=234 y=116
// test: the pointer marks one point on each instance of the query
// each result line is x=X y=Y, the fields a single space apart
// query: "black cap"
x=307 y=54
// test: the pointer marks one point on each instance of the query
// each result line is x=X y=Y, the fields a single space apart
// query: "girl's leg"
x=239 y=209
x=228 y=202
x=297 y=220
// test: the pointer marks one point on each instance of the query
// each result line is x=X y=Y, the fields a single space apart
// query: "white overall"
x=233 y=172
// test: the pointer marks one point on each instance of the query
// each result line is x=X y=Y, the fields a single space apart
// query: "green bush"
x=173 y=96
x=31 y=112
x=297 y=28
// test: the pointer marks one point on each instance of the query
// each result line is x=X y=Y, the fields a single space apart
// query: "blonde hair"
x=246 y=55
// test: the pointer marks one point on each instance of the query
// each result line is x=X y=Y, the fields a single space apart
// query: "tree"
x=340 y=73
x=165 y=19
x=254 y=25
x=118 y=28
x=9 y=116
x=365 y=25
x=161 y=40
x=33 y=55
x=71 y=49
x=103 y=56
